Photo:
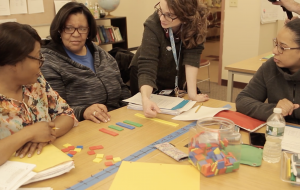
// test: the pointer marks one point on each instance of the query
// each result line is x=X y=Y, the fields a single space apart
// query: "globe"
x=109 y=5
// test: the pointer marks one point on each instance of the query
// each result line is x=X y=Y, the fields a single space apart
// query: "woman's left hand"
x=200 y=98
x=29 y=148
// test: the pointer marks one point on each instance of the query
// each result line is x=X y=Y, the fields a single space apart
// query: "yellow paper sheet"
x=50 y=157
x=149 y=176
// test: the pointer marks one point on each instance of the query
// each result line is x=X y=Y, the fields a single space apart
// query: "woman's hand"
x=287 y=106
x=199 y=97
x=42 y=132
x=97 y=113
x=29 y=149
x=150 y=108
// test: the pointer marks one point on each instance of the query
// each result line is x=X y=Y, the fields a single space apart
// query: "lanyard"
x=175 y=54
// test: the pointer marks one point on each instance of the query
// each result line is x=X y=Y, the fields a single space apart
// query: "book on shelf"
x=117 y=30
x=100 y=34
x=104 y=34
x=108 y=34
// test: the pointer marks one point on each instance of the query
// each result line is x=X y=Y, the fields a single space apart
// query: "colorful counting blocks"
x=96 y=147
x=77 y=149
x=211 y=157
x=71 y=147
x=109 y=163
x=117 y=159
x=91 y=152
x=65 y=150
x=109 y=157
x=72 y=152
x=67 y=145
x=99 y=155
x=97 y=160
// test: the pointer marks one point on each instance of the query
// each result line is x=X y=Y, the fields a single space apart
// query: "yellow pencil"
x=198 y=107
x=55 y=128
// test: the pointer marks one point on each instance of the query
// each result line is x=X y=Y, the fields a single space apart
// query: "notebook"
x=150 y=176
x=50 y=163
x=242 y=120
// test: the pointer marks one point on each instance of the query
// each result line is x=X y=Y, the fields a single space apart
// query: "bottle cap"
x=277 y=110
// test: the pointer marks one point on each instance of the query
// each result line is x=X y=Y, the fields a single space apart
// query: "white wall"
x=241 y=34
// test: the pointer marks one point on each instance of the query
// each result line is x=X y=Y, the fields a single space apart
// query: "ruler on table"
x=133 y=157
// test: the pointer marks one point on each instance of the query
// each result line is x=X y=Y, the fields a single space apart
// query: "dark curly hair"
x=193 y=15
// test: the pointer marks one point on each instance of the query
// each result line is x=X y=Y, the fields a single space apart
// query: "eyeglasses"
x=280 y=48
x=169 y=17
x=71 y=30
x=41 y=59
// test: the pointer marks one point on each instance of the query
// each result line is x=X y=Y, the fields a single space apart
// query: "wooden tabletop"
x=130 y=141
x=249 y=65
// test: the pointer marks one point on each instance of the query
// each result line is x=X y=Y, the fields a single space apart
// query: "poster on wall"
x=4 y=7
x=18 y=6
x=35 y=6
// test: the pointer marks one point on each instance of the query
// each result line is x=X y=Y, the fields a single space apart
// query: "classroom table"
x=130 y=141
x=246 y=67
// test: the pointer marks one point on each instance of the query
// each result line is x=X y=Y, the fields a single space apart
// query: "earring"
x=87 y=38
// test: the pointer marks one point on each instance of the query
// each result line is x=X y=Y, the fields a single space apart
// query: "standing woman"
x=170 y=51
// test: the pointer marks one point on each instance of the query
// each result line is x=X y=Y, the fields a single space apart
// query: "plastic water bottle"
x=274 y=135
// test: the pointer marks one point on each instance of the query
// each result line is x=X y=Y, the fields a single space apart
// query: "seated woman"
x=277 y=80
x=85 y=75
x=29 y=108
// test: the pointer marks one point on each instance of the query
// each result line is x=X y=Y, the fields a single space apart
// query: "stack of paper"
x=167 y=104
x=203 y=112
x=15 y=174
x=291 y=139
x=50 y=163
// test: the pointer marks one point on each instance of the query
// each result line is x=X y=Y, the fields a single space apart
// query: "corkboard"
x=37 y=19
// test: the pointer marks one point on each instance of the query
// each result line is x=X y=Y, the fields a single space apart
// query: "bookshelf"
x=119 y=22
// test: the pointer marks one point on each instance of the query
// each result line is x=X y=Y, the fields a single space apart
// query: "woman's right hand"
x=97 y=113
x=287 y=106
x=150 y=108
x=42 y=132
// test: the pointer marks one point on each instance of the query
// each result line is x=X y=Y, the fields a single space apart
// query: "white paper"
x=11 y=173
x=165 y=102
x=4 y=7
x=23 y=180
x=18 y=6
x=59 y=4
x=271 y=13
x=291 y=140
x=201 y=113
x=35 y=6
x=187 y=107
x=52 y=172
x=8 y=20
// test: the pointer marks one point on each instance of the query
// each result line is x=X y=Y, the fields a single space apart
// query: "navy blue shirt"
x=86 y=60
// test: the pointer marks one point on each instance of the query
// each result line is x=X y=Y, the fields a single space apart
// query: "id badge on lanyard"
x=176 y=89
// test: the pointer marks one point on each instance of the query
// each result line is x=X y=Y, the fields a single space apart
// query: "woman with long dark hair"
x=170 y=51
